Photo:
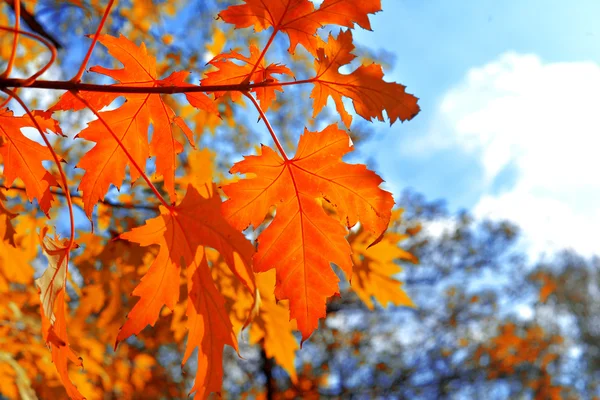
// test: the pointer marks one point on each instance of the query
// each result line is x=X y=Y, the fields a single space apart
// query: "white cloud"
x=440 y=226
x=542 y=121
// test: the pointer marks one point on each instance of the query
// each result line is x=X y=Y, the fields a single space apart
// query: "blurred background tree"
x=487 y=324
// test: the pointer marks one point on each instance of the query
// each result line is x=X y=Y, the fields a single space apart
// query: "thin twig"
x=33 y=23
x=262 y=54
x=13 y=51
x=28 y=81
x=268 y=125
x=77 y=77
x=58 y=192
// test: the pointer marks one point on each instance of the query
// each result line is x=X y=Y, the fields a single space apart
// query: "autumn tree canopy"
x=124 y=146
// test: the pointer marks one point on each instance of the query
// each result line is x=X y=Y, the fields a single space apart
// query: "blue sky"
x=507 y=92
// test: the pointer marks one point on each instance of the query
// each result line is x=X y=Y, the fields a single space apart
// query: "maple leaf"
x=51 y=286
x=53 y=279
x=22 y=157
x=302 y=240
x=231 y=73
x=182 y=232
x=239 y=302
x=299 y=18
x=209 y=326
x=105 y=163
x=7 y=230
x=198 y=170
x=210 y=322
x=15 y=256
x=273 y=327
x=548 y=287
x=193 y=223
x=370 y=94
x=375 y=267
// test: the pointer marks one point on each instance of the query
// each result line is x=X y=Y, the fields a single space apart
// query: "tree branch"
x=91 y=87
x=33 y=24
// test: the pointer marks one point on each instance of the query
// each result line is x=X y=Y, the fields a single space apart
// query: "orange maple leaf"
x=16 y=258
x=51 y=286
x=375 y=269
x=53 y=279
x=182 y=232
x=105 y=163
x=209 y=327
x=22 y=157
x=370 y=94
x=302 y=240
x=7 y=230
x=179 y=233
x=299 y=18
x=273 y=327
x=230 y=73
x=55 y=336
x=548 y=287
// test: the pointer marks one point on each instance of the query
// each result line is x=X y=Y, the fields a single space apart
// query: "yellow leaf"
x=375 y=269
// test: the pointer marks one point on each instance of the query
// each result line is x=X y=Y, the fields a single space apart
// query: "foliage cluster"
x=171 y=240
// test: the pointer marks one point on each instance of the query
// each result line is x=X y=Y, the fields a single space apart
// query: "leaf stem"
x=122 y=146
x=262 y=54
x=77 y=77
x=7 y=100
x=268 y=125
x=63 y=177
x=13 y=52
